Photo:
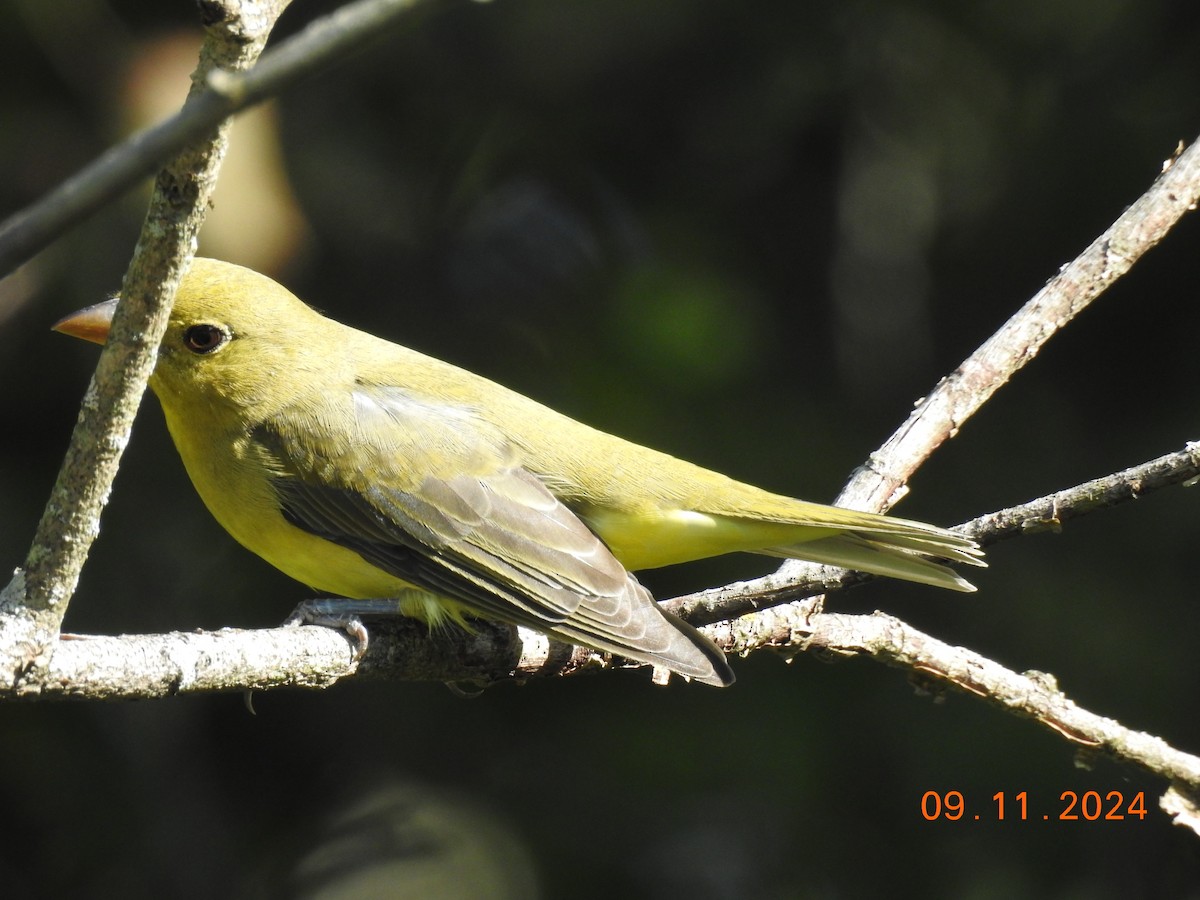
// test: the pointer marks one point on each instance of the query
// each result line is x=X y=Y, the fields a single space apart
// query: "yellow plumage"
x=366 y=469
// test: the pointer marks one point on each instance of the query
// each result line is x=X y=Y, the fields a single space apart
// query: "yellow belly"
x=237 y=491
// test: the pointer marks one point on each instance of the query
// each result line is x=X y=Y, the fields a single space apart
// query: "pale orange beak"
x=90 y=324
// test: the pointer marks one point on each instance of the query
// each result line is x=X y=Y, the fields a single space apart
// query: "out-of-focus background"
x=751 y=234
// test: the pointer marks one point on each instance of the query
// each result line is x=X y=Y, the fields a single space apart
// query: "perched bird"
x=362 y=468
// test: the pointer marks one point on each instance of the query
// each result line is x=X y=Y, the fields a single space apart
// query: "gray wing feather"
x=482 y=530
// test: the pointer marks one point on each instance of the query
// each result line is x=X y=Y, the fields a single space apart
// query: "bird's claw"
x=328 y=615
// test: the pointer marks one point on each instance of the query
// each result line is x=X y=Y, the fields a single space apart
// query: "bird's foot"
x=343 y=615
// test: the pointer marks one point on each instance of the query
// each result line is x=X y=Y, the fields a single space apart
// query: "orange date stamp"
x=1071 y=806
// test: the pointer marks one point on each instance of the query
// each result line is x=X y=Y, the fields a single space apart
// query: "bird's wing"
x=433 y=495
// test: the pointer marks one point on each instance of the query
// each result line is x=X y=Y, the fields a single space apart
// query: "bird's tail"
x=912 y=554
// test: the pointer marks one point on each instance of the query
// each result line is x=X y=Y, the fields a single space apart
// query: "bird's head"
x=234 y=337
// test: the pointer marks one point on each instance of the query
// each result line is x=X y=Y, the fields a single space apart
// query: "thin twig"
x=1050 y=512
x=224 y=88
x=1043 y=514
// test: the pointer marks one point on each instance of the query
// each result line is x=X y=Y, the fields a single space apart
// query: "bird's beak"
x=90 y=324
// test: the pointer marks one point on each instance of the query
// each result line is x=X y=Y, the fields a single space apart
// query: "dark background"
x=751 y=234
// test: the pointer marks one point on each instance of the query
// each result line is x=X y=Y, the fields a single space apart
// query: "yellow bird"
x=366 y=469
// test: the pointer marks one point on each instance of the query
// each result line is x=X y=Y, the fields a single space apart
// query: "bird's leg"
x=344 y=615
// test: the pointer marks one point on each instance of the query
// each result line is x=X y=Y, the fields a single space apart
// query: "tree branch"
x=139 y=666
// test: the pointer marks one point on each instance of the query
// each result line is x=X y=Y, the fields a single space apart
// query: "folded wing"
x=430 y=494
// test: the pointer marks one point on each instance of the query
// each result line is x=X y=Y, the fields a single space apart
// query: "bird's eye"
x=205 y=338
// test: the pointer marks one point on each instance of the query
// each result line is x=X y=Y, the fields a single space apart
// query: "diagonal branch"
x=881 y=481
x=32 y=606
x=221 y=87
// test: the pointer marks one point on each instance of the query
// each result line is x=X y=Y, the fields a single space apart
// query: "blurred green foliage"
x=747 y=233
